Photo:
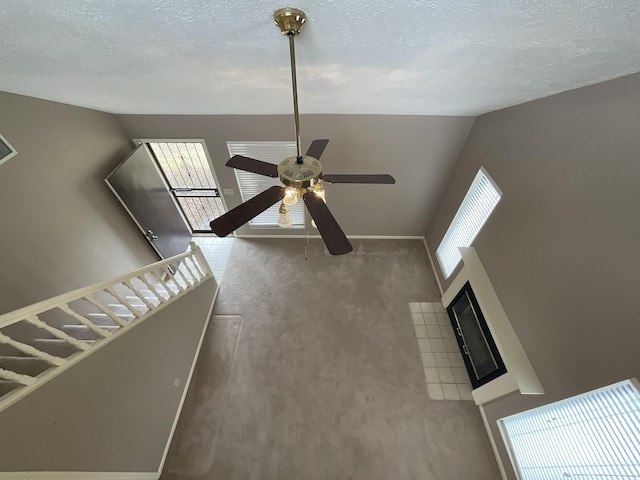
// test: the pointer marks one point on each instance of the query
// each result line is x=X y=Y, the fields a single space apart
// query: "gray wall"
x=419 y=151
x=561 y=248
x=113 y=411
x=61 y=227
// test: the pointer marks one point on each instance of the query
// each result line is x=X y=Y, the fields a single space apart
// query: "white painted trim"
x=12 y=154
x=79 y=476
x=188 y=382
x=433 y=267
x=507 y=443
x=354 y=237
x=496 y=388
x=509 y=346
x=492 y=441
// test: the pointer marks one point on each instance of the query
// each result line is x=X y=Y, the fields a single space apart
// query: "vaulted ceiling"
x=420 y=70
x=423 y=57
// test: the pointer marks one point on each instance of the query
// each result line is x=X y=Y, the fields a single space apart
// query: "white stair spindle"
x=196 y=264
x=86 y=322
x=196 y=280
x=166 y=287
x=203 y=264
x=175 y=281
x=139 y=294
x=186 y=281
x=16 y=377
x=106 y=311
x=136 y=313
x=35 y=320
x=144 y=280
x=29 y=350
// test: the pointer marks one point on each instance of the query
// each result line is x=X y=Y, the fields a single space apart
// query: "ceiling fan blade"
x=358 y=178
x=236 y=217
x=333 y=236
x=252 y=165
x=316 y=148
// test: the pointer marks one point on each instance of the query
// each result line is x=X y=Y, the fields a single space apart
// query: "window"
x=479 y=202
x=593 y=435
x=186 y=169
x=251 y=184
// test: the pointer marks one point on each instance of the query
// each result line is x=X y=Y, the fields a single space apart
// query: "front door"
x=142 y=190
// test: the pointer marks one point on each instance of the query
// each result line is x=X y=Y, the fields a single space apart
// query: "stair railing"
x=44 y=339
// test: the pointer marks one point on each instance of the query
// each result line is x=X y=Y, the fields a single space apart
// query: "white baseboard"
x=79 y=475
x=433 y=266
x=186 y=385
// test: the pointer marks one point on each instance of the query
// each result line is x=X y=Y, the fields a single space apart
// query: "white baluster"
x=196 y=280
x=150 y=306
x=149 y=284
x=88 y=323
x=196 y=264
x=202 y=260
x=29 y=350
x=187 y=283
x=106 y=311
x=175 y=282
x=35 y=320
x=168 y=289
x=136 y=313
x=16 y=377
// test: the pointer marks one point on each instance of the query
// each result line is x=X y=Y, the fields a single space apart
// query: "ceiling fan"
x=302 y=175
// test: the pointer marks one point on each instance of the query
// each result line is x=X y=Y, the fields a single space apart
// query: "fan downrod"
x=290 y=20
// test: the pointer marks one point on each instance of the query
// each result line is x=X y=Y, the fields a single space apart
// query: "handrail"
x=35 y=308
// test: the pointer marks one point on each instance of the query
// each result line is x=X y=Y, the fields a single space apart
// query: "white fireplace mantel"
x=520 y=374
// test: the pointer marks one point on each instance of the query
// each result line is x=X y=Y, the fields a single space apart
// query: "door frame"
x=145 y=140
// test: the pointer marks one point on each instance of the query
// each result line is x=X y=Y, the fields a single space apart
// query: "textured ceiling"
x=435 y=57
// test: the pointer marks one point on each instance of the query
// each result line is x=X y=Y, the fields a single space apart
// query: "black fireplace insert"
x=479 y=351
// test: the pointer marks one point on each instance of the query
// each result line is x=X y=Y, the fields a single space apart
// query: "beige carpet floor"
x=310 y=370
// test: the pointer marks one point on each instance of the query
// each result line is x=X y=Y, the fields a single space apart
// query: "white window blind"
x=591 y=436
x=477 y=205
x=251 y=184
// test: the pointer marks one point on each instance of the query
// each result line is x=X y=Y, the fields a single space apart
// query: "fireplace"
x=479 y=351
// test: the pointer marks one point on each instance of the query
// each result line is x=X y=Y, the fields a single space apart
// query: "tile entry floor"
x=216 y=250
x=444 y=370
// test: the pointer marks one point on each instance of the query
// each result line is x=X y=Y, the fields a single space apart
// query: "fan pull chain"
x=306 y=235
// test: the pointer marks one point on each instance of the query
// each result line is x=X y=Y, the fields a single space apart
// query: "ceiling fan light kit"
x=301 y=175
